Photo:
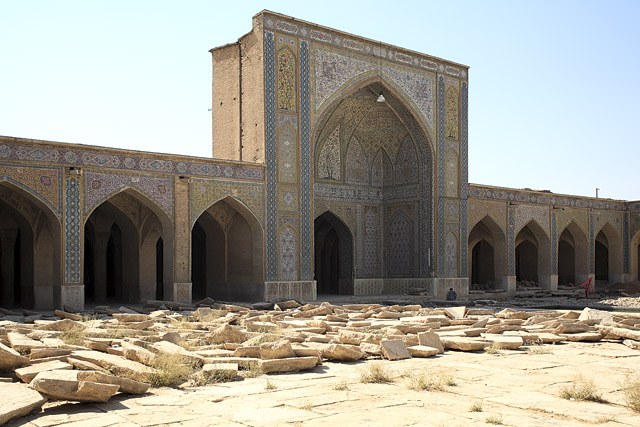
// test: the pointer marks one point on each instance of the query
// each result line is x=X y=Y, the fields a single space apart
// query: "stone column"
x=7 y=242
x=181 y=290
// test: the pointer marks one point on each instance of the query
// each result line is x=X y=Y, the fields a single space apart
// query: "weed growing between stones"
x=307 y=405
x=215 y=376
x=253 y=370
x=376 y=373
x=476 y=407
x=270 y=386
x=539 y=349
x=495 y=419
x=582 y=389
x=171 y=370
x=341 y=386
x=424 y=382
x=75 y=335
x=494 y=349
x=631 y=389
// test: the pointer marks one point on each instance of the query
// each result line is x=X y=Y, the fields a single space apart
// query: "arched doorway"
x=487 y=256
x=634 y=256
x=572 y=255
x=333 y=255
x=226 y=253
x=30 y=274
x=608 y=255
x=533 y=258
x=126 y=255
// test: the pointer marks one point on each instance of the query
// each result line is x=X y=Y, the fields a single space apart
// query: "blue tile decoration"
x=440 y=156
x=305 y=163
x=591 y=245
x=271 y=178
x=511 y=241
x=72 y=232
x=554 y=244
x=464 y=178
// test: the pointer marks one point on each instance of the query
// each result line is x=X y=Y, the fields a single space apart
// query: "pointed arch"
x=634 y=256
x=357 y=165
x=31 y=262
x=608 y=254
x=533 y=255
x=333 y=255
x=487 y=255
x=573 y=254
x=407 y=168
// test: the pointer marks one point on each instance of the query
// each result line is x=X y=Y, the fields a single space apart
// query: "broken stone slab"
x=18 y=400
x=227 y=333
x=130 y=317
x=601 y=316
x=247 y=351
x=137 y=353
x=346 y=336
x=504 y=342
x=571 y=328
x=619 y=332
x=394 y=350
x=370 y=348
x=527 y=337
x=455 y=312
x=60 y=325
x=279 y=349
x=583 y=336
x=65 y=385
x=172 y=337
x=632 y=344
x=509 y=313
x=10 y=359
x=117 y=365
x=40 y=353
x=342 y=352
x=145 y=324
x=83 y=365
x=422 y=351
x=22 y=343
x=431 y=339
x=463 y=343
x=474 y=332
x=126 y=385
x=549 y=338
x=285 y=305
x=64 y=315
x=27 y=373
x=167 y=347
x=291 y=364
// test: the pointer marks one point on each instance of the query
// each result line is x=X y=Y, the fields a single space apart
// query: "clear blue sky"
x=553 y=91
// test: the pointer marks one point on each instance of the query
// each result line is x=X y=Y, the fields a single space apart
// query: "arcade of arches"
x=339 y=167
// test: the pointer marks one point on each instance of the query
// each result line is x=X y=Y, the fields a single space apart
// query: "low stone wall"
x=300 y=291
x=391 y=286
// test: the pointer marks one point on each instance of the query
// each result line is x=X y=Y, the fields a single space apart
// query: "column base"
x=304 y=290
x=72 y=297
x=182 y=293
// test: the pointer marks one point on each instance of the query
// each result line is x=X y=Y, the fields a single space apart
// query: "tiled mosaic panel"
x=554 y=244
x=451 y=174
x=300 y=291
x=400 y=245
x=511 y=241
x=370 y=242
x=204 y=193
x=480 y=192
x=592 y=243
x=451 y=255
x=329 y=166
x=496 y=210
x=602 y=218
x=441 y=177
x=333 y=70
x=357 y=167
x=73 y=222
x=287 y=154
x=89 y=157
x=100 y=186
x=305 y=164
x=451 y=108
x=288 y=243
x=579 y=216
x=339 y=40
x=526 y=213
x=288 y=199
x=286 y=80
x=270 y=122
x=407 y=163
x=625 y=242
x=368 y=286
x=44 y=183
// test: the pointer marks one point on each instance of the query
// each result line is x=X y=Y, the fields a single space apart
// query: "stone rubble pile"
x=90 y=358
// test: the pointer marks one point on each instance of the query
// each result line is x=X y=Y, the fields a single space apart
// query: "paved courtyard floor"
x=518 y=388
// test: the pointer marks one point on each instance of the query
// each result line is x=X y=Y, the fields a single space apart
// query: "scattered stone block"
x=422 y=351
x=22 y=343
x=431 y=339
x=280 y=349
x=632 y=344
x=227 y=334
x=342 y=352
x=291 y=364
x=455 y=312
x=394 y=349
x=583 y=336
x=27 y=373
x=65 y=385
x=130 y=317
x=220 y=370
x=117 y=365
x=18 y=400
x=137 y=353
x=247 y=351
x=601 y=316
x=504 y=342
x=171 y=348
x=10 y=359
x=371 y=349
x=64 y=315
x=463 y=343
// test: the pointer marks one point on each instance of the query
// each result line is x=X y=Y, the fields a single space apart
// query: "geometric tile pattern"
x=625 y=242
x=287 y=154
x=89 y=157
x=329 y=164
x=451 y=118
x=270 y=125
x=451 y=257
x=464 y=178
x=43 y=182
x=305 y=163
x=370 y=242
x=592 y=244
x=407 y=163
x=288 y=254
x=441 y=177
x=357 y=167
x=511 y=239
x=554 y=244
x=286 y=80
x=101 y=186
x=400 y=245
x=205 y=193
x=72 y=221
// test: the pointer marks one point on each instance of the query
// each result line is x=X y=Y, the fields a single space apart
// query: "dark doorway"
x=159 y=268
x=602 y=261
x=333 y=256
x=198 y=262
x=527 y=262
x=566 y=261
x=482 y=264
x=114 y=263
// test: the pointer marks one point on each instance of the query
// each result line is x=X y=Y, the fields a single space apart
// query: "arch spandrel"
x=205 y=193
x=43 y=183
x=527 y=213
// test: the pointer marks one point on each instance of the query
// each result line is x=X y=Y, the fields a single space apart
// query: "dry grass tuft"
x=341 y=386
x=376 y=373
x=171 y=370
x=476 y=407
x=631 y=389
x=254 y=370
x=270 y=386
x=75 y=335
x=539 y=349
x=437 y=382
x=495 y=419
x=582 y=389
